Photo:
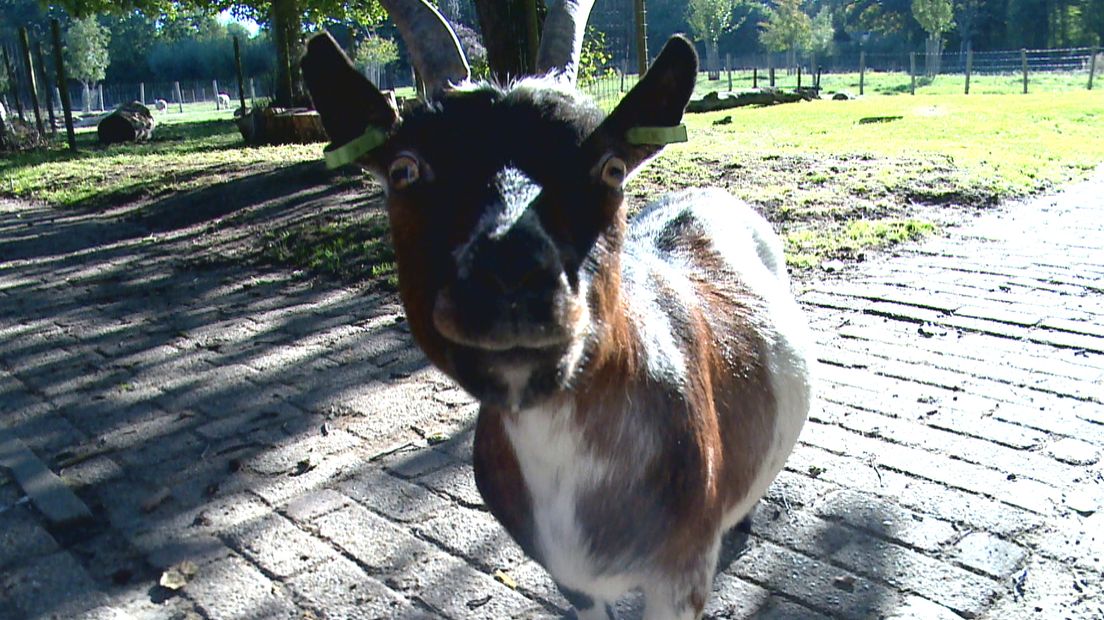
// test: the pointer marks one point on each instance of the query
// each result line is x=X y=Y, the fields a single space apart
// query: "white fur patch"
x=558 y=469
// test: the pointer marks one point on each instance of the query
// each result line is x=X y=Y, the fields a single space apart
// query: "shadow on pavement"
x=279 y=433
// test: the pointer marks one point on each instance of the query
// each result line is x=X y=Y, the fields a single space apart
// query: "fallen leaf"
x=179 y=575
x=505 y=579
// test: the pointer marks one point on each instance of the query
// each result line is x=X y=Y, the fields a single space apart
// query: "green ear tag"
x=656 y=135
x=355 y=148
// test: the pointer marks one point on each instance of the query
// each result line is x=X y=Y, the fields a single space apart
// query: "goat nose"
x=518 y=262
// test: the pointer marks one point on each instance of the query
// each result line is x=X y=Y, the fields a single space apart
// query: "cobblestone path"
x=287 y=442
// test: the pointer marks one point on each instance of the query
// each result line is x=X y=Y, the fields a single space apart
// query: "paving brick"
x=278 y=546
x=419 y=462
x=450 y=586
x=344 y=592
x=473 y=535
x=32 y=589
x=984 y=552
x=398 y=499
x=21 y=536
x=925 y=497
x=1074 y=452
x=232 y=589
x=314 y=504
x=903 y=568
x=375 y=542
x=322 y=473
x=456 y=481
x=1028 y=494
x=825 y=588
x=887 y=519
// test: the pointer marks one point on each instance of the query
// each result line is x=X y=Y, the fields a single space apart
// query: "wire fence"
x=987 y=72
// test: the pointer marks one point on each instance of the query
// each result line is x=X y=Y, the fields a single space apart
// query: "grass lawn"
x=836 y=177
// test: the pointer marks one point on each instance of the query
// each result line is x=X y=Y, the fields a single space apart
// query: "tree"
x=373 y=53
x=935 y=17
x=285 y=20
x=86 y=44
x=967 y=15
x=788 y=29
x=822 y=36
x=708 y=20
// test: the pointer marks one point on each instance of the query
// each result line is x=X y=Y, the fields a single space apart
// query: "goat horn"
x=433 y=45
x=562 y=41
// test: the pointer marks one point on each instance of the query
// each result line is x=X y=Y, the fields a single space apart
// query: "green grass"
x=832 y=183
x=189 y=150
x=807 y=248
x=348 y=249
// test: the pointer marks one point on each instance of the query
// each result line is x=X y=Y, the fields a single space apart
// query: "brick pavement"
x=286 y=439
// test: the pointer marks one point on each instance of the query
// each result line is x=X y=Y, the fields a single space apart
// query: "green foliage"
x=86 y=45
x=595 y=58
x=787 y=27
x=934 y=16
x=375 y=50
x=709 y=19
x=821 y=32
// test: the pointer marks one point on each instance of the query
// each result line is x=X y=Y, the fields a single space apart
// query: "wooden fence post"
x=969 y=68
x=215 y=92
x=1023 y=63
x=13 y=83
x=63 y=84
x=862 y=72
x=47 y=88
x=238 y=68
x=179 y=96
x=142 y=93
x=912 y=73
x=770 y=69
x=728 y=67
x=1092 y=65
x=25 y=44
x=799 y=77
x=252 y=92
x=755 y=77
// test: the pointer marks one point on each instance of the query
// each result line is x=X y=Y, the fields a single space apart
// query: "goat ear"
x=657 y=100
x=347 y=101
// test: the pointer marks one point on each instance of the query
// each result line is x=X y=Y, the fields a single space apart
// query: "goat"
x=222 y=101
x=161 y=105
x=641 y=383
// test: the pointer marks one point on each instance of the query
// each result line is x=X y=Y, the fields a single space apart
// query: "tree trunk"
x=712 y=60
x=505 y=35
x=286 y=33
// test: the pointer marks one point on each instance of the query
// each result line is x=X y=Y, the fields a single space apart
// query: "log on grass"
x=762 y=96
x=130 y=122
x=274 y=125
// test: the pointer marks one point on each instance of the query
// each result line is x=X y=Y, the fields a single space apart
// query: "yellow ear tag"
x=353 y=150
x=656 y=135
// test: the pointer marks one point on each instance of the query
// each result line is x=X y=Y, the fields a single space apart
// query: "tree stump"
x=274 y=125
x=130 y=122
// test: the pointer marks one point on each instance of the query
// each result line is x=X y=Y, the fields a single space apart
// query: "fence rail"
x=985 y=72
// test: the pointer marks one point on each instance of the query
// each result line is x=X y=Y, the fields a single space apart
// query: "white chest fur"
x=559 y=469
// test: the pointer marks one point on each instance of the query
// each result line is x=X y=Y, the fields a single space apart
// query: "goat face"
x=506 y=213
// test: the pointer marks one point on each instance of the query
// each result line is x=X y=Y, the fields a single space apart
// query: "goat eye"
x=404 y=172
x=614 y=171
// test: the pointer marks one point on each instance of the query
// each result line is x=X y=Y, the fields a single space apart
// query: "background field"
x=837 y=178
